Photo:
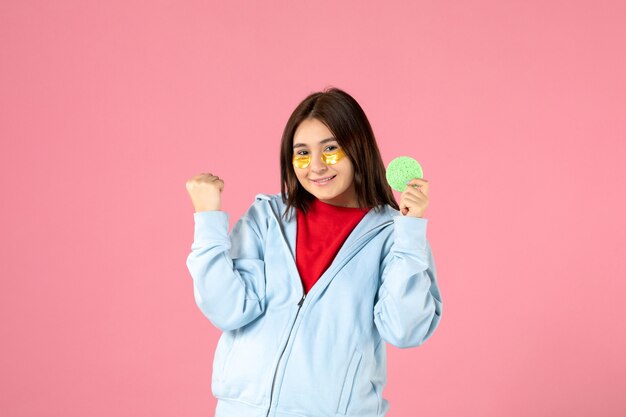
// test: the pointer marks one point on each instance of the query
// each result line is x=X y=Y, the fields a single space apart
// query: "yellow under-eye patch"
x=329 y=158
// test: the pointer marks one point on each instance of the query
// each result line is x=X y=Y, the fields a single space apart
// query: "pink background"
x=516 y=110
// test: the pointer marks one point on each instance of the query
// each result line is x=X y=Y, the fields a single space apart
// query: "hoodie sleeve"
x=228 y=271
x=409 y=305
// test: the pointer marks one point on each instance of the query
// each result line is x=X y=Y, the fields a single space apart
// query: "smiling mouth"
x=324 y=180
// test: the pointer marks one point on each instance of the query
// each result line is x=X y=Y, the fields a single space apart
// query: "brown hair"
x=345 y=118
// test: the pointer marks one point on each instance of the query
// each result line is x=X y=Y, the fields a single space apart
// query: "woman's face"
x=332 y=183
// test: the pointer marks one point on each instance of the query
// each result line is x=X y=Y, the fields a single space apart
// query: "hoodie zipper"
x=301 y=302
x=283 y=351
x=353 y=248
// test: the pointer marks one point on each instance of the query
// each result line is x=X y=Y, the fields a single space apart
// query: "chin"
x=331 y=198
x=322 y=196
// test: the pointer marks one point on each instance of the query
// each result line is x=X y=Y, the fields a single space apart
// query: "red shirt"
x=320 y=234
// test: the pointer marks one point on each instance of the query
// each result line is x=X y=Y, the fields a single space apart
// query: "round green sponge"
x=401 y=170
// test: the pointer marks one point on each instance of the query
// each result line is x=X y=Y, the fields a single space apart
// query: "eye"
x=302 y=153
x=331 y=148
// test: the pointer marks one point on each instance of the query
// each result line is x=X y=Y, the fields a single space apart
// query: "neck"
x=342 y=204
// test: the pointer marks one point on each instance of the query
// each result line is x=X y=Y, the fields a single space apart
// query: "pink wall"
x=516 y=110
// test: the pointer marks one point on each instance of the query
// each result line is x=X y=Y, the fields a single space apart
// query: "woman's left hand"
x=414 y=200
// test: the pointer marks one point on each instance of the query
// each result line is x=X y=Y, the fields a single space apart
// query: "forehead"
x=311 y=132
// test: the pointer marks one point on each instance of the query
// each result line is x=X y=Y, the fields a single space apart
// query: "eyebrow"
x=330 y=139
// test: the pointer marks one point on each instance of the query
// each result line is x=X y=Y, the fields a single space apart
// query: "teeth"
x=325 y=179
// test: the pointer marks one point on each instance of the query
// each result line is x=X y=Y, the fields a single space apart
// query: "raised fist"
x=205 y=190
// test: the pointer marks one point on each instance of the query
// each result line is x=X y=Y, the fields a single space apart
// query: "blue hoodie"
x=284 y=354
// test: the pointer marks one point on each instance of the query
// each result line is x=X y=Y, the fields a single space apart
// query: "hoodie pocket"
x=348 y=382
x=223 y=354
x=229 y=355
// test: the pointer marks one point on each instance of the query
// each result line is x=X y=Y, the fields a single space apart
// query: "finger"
x=403 y=206
x=206 y=177
x=413 y=202
x=415 y=194
x=416 y=191
x=421 y=192
x=419 y=185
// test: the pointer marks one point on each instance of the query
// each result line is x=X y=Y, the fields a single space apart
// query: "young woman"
x=312 y=282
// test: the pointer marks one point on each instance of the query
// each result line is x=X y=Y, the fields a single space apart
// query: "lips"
x=323 y=180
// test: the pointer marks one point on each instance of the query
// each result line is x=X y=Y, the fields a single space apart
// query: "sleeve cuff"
x=210 y=226
x=410 y=234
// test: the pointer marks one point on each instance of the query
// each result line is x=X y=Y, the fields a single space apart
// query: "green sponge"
x=401 y=170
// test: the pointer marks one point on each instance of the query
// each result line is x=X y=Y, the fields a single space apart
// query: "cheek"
x=299 y=175
x=347 y=170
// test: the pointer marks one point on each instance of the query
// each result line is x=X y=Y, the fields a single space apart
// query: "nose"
x=317 y=165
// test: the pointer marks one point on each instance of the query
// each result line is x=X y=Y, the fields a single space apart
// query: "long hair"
x=345 y=118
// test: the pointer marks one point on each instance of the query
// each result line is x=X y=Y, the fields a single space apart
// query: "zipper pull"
x=301 y=300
